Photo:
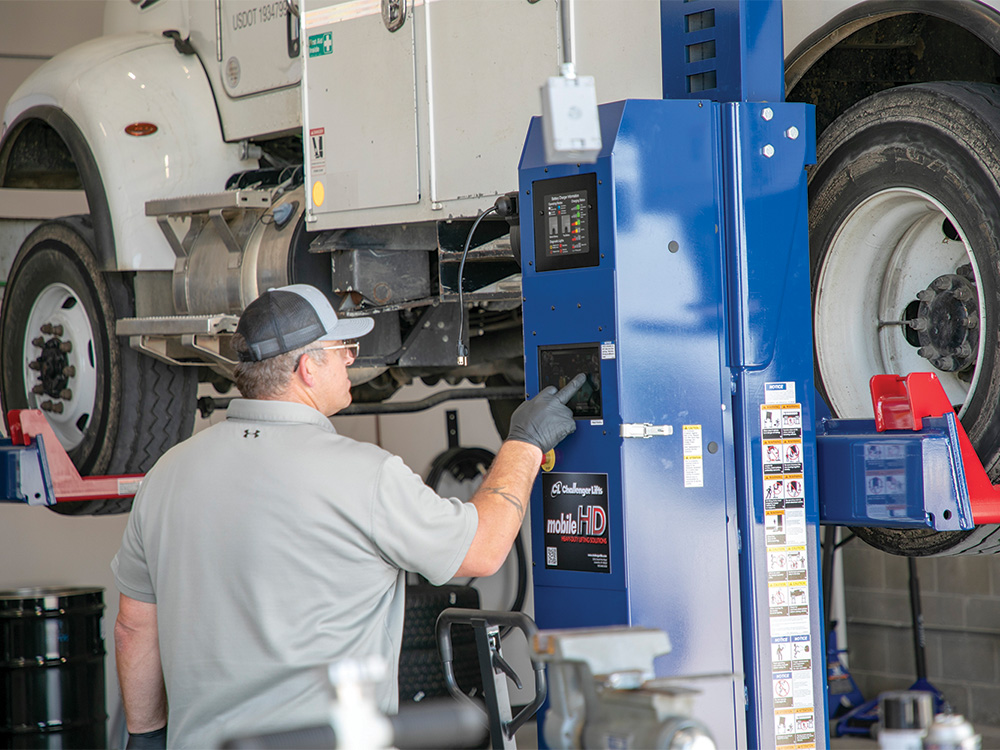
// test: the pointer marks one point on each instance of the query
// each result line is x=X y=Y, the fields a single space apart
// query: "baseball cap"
x=281 y=320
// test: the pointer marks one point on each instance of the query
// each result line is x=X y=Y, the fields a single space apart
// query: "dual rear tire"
x=114 y=410
x=905 y=245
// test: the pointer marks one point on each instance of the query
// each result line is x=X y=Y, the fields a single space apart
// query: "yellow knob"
x=549 y=461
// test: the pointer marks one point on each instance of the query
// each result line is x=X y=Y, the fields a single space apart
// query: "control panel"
x=559 y=364
x=566 y=223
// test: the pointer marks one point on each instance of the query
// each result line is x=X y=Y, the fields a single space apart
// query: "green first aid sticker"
x=321 y=44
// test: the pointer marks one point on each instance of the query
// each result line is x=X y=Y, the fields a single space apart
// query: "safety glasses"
x=351 y=346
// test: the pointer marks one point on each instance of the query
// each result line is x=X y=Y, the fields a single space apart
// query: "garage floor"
x=527 y=739
x=990 y=735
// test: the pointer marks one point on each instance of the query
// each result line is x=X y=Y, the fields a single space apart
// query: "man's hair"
x=269 y=378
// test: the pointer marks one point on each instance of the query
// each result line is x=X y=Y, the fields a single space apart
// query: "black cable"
x=463 y=352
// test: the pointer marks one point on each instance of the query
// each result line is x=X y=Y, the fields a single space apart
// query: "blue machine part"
x=24 y=473
x=898 y=478
x=723 y=50
x=675 y=273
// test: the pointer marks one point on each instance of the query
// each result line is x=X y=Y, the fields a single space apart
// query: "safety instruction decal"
x=694 y=464
x=317 y=151
x=575 y=514
x=787 y=571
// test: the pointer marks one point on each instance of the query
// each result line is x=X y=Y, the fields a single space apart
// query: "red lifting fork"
x=901 y=402
x=67 y=484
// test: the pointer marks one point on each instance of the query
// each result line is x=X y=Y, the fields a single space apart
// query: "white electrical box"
x=569 y=120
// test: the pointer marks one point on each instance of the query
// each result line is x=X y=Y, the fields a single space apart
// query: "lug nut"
x=35 y=365
x=45 y=406
x=69 y=371
x=57 y=330
x=944 y=363
x=964 y=350
x=942 y=283
x=66 y=394
x=38 y=389
x=918 y=324
x=39 y=342
x=66 y=346
x=972 y=322
x=46 y=328
x=963 y=293
x=925 y=352
x=926 y=295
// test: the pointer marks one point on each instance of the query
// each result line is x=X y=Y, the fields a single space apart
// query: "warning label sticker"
x=783 y=481
x=317 y=150
x=694 y=465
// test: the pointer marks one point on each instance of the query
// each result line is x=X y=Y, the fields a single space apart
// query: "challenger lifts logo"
x=576 y=522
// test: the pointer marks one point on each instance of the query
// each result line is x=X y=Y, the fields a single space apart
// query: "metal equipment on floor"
x=52 y=668
x=602 y=685
x=495 y=670
x=859 y=720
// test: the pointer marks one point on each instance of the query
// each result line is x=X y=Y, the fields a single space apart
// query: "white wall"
x=34 y=30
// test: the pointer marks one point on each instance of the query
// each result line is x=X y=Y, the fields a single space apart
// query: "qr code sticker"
x=551 y=556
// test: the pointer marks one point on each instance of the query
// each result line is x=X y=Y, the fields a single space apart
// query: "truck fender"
x=88 y=96
x=975 y=17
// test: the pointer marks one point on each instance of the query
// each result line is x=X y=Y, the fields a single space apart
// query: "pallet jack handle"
x=481 y=620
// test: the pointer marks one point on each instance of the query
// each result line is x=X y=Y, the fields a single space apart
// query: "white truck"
x=231 y=146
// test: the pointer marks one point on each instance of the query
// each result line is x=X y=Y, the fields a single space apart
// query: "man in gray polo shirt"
x=268 y=546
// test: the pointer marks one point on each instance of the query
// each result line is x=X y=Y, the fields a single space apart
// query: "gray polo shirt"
x=272 y=547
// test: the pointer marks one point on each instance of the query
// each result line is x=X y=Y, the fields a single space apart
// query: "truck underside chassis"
x=239 y=243
x=75 y=339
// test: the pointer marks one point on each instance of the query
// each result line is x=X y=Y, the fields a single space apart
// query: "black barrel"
x=52 y=668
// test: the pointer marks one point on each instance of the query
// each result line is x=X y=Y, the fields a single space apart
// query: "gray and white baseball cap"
x=284 y=319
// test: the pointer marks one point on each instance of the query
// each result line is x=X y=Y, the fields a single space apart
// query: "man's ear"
x=307 y=370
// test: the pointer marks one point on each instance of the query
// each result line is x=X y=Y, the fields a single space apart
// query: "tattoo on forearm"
x=512 y=499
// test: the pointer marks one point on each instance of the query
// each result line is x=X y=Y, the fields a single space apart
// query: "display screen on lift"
x=566 y=222
x=557 y=365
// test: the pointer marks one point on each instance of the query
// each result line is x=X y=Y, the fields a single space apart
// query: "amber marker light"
x=140 y=128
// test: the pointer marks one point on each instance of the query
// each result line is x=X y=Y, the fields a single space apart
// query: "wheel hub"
x=60 y=371
x=947 y=321
x=52 y=367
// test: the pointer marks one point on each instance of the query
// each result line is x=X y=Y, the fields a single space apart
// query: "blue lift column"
x=675 y=273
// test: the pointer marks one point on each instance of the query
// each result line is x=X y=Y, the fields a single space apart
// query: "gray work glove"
x=155 y=740
x=545 y=419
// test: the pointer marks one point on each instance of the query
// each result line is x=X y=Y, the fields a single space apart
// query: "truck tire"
x=114 y=410
x=905 y=249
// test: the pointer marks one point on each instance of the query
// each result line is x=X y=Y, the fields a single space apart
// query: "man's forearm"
x=140 y=674
x=501 y=502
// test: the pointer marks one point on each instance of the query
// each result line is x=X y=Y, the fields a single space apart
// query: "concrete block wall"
x=960 y=599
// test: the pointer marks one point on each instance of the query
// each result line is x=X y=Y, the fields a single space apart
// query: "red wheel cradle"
x=35 y=469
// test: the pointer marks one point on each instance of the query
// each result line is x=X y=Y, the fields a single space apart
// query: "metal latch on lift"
x=646 y=430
